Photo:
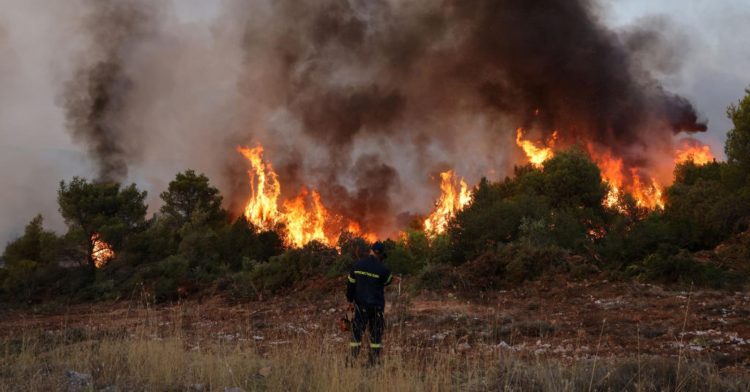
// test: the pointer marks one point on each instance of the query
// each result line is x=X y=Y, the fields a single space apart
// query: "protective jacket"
x=366 y=282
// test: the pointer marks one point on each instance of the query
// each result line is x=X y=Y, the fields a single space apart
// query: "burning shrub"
x=559 y=204
x=104 y=209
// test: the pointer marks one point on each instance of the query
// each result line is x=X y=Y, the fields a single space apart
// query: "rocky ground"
x=575 y=321
x=570 y=322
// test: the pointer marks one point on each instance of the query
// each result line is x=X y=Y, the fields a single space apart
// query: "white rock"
x=504 y=345
x=78 y=381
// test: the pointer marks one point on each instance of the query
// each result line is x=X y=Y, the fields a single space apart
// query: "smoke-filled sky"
x=365 y=101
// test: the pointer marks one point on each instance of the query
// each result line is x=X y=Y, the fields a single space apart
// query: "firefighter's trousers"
x=368 y=318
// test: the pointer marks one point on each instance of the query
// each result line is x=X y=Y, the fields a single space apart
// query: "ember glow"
x=304 y=218
x=537 y=153
x=101 y=252
x=695 y=151
x=455 y=195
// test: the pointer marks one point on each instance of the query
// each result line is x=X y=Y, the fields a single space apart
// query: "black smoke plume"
x=366 y=78
x=96 y=97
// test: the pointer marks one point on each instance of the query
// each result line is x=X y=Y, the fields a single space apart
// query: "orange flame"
x=536 y=154
x=261 y=209
x=647 y=195
x=611 y=170
x=305 y=225
x=695 y=151
x=304 y=217
x=355 y=229
x=453 y=198
x=102 y=252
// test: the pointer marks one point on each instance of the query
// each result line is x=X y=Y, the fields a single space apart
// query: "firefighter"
x=365 y=293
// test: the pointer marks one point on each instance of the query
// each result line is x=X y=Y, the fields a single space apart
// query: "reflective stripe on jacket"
x=366 y=282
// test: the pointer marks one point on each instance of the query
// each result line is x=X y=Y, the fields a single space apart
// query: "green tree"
x=737 y=146
x=495 y=213
x=572 y=180
x=102 y=208
x=239 y=243
x=35 y=245
x=31 y=261
x=703 y=210
x=188 y=194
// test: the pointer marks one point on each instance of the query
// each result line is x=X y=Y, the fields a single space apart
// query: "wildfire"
x=611 y=169
x=354 y=228
x=102 y=252
x=302 y=224
x=646 y=194
x=304 y=217
x=453 y=198
x=536 y=154
x=693 y=150
x=261 y=209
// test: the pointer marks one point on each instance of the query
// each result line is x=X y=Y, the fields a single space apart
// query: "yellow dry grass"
x=155 y=355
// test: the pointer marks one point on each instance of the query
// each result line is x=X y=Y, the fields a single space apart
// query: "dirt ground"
x=568 y=321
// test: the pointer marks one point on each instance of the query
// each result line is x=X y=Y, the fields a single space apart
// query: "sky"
x=716 y=69
x=36 y=150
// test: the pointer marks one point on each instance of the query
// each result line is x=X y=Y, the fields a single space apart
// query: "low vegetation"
x=548 y=220
x=176 y=351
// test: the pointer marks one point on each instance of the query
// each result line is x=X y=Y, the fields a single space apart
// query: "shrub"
x=513 y=264
x=36 y=244
x=167 y=276
x=683 y=268
x=292 y=266
x=409 y=254
x=703 y=210
x=242 y=281
x=273 y=275
x=529 y=262
x=436 y=277
x=341 y=266
x=556 y=205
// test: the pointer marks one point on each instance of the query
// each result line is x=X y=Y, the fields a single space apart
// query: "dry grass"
x=156 y=355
